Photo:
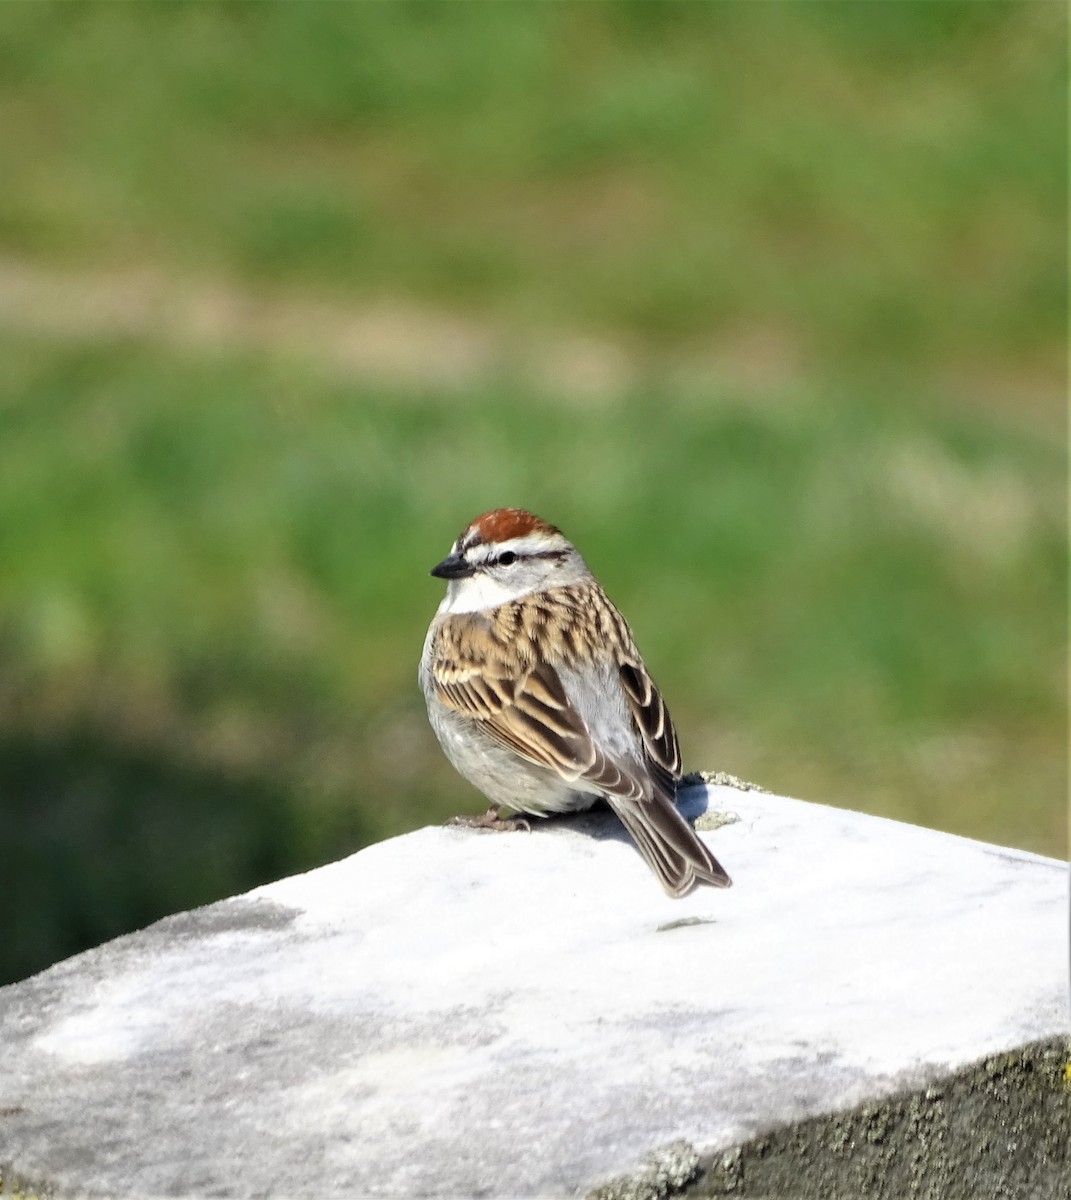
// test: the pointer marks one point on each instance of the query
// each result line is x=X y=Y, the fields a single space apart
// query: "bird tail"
x=672 y=848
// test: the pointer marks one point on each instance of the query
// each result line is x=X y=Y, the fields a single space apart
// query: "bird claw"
x=491 y=820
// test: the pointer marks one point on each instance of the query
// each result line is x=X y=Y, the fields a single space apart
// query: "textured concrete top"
x=457 y=1012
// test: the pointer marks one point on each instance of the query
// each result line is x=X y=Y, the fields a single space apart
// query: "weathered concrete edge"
x=928 y=1140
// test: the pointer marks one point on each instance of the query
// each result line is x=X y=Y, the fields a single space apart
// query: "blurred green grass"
x=871 y=180
x=846 y=570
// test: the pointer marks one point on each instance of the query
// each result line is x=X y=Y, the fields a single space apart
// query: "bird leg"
x=491 y=820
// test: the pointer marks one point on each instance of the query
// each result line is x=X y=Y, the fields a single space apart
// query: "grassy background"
x=763 y=304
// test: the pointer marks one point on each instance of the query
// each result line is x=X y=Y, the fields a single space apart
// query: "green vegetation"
x=877 y=180
x=840 y=541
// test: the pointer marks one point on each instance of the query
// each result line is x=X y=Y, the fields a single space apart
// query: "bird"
x=539 y=697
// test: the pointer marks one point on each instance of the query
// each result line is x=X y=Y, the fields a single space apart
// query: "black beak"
x=453 y=567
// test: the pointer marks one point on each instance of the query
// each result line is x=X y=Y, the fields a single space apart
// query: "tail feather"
x=672 y=848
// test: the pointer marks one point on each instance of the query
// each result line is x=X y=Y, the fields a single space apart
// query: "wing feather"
x=652 y=719
x=532 y=717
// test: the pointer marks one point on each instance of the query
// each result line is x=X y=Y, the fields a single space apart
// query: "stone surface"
x=462 y=1013
x=1000 y=1128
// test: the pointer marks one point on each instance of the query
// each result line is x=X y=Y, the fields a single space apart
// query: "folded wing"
x=534 y=717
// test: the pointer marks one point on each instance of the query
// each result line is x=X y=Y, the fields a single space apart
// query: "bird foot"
x=491 y=820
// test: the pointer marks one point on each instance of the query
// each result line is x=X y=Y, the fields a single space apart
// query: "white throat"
x=476 y=593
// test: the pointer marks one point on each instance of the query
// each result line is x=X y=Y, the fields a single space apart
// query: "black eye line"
x=507 y=558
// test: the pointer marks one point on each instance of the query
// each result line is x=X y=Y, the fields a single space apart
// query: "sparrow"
x=539 y=697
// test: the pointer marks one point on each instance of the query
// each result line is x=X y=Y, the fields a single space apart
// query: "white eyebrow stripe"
x=531 y=545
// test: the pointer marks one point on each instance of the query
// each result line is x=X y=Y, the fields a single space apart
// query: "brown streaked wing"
x=540 y=724
x=615 y=779
x=479 y=696
x=532 y=717
x=653 y=720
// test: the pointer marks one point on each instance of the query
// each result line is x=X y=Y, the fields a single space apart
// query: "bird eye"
x=507 y=559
